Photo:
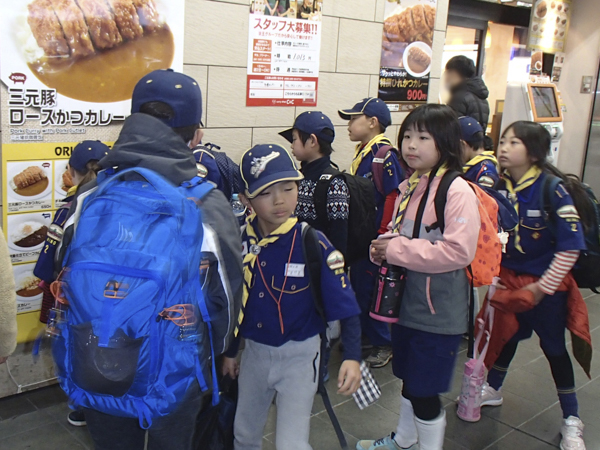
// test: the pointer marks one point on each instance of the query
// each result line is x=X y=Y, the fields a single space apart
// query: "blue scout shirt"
x=300 y=318
x=44 y=268
x=484 y=173
x=538 y=242
x=208 y=169
x=391 y=178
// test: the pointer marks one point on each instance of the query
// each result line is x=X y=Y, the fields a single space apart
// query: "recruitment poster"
x=406 y=53
x=68 y=69
x=284 y=45
x=549 y=25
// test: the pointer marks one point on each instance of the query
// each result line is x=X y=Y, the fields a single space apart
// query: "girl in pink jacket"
x=434 y=310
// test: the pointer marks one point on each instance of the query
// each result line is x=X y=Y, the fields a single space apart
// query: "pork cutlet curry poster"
x=68 y=68
x=406 y=52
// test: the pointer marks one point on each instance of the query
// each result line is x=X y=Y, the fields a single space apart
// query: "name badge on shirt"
x=294 y=270
x=378 y=160
x=534 y=213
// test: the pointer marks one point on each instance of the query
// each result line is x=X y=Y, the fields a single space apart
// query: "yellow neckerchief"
x=361 y=152
x=72 y=191
x=413 y=182
x=254 y=247
x=485 y=156
x=530 y=177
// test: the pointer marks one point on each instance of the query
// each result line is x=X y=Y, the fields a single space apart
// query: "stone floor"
x=528 y=420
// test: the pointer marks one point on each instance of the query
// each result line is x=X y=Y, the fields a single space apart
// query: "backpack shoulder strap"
x=440 y=200
x=549 y=186
x=314 y=259
x=320 y=195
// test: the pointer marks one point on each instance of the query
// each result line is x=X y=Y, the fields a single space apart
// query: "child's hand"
x=378 y=250
x=231 y=367
x=349 y=377
x=538 y=294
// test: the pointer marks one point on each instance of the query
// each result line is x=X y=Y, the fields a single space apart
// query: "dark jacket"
x=470 y=99
x=146 y=142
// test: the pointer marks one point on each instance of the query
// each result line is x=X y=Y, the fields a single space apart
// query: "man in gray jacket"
x=159 y=135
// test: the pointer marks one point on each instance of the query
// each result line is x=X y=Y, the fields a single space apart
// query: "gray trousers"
x=290 y=371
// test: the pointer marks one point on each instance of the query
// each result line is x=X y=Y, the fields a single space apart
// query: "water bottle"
x=388 y=293
x=239 y=210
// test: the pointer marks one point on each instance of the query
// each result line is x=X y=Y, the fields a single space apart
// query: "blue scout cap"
x=177 y=90
x=267 y=164
x=468 y=128
x=84 y=152
x=371 y=107
x=312 y=122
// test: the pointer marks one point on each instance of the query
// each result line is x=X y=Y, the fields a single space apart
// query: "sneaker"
x=379 y=357
x=386 y=443
x=77 y=418
x=490 y=396
x=572 y=434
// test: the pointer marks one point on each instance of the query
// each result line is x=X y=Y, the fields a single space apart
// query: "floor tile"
x=514 y=411
x=47 y=437
x=518 y=440
x=23 y=423
x=46 y=397
x=546 y=426
x=15 y=405
x=532 y=387
x=473 y=435
x=59 y=413
x=372 y=423
x=322 y=434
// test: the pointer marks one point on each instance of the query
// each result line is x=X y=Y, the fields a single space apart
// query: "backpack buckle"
x=116 y=290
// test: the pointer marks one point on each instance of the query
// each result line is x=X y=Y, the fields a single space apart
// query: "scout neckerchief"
x=413 y=182
x=530 y=177
x=485 y=156
x=362 y=152
x=72 y=191
x=254 y=247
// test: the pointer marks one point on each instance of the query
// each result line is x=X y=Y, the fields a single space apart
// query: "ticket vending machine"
x=538 y=102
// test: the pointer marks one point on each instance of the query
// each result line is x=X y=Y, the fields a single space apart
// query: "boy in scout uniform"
x=376 y=159
x=481 y=166
x=279 y=320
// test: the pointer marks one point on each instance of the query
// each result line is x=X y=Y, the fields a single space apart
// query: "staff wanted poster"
x=284 y=45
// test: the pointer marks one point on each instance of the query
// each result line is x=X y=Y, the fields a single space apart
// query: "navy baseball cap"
x=177 y=90
x=312 y=122
x=370 y=107
x=84 y=152
x=266 y=164
x=468 y=128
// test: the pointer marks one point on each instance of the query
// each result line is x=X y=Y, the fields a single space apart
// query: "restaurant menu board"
x=284 y=45
x=406 y=53
x=549 y=25
x=71 y=65
x=67 y=71
x=36 y=182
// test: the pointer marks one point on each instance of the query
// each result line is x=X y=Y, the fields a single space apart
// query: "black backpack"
x=362 y=228
x=587 y=268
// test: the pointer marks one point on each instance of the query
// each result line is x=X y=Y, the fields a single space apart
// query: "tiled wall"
x=216 y=55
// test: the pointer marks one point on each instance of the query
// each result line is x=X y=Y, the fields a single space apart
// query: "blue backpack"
x=137 y=332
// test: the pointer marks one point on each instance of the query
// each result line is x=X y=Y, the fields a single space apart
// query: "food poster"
x=406 y=52
x=36 y=181
x=69 y=65
x=284 y=45
x=68 y=68
x=549 y=25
